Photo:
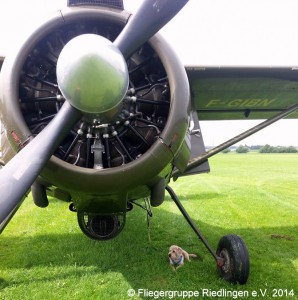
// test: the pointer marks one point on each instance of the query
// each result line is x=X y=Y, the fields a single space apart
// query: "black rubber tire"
x=236 y=259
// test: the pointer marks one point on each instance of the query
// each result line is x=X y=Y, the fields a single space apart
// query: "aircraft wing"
x=236 y=93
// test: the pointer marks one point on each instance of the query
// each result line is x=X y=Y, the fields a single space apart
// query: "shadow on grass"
x=144 y=264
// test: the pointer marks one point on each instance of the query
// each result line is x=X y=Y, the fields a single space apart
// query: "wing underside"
x=243 y=93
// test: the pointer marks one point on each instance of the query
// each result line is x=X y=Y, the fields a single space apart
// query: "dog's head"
x=175 y=252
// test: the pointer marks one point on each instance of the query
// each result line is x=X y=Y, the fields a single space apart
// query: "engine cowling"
x=112 y=157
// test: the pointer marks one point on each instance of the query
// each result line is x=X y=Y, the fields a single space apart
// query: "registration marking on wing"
x=240 y=103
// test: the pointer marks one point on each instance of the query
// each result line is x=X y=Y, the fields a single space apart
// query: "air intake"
x=108 y=3
x=101 y=227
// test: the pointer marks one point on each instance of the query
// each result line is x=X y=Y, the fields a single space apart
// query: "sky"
x=204 y=33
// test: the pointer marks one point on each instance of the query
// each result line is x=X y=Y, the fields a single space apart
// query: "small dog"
x=177 y=256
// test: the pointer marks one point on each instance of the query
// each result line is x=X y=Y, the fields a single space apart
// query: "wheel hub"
x=226 y=260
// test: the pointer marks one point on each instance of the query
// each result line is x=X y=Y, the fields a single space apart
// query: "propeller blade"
x=22 y=170
x=148 y=20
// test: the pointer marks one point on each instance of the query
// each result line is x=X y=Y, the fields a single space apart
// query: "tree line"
x=264 y=149
x=279 y=149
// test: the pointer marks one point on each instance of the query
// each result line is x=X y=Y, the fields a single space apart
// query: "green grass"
x=44 y=255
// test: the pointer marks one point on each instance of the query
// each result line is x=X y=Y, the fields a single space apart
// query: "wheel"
x=235 y=268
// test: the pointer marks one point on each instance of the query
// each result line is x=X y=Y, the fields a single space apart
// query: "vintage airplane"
x=97 y=110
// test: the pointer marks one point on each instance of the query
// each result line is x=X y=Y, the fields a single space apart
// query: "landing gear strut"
x=231 y=256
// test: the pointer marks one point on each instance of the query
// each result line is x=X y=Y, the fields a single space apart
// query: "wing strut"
x=195 y=162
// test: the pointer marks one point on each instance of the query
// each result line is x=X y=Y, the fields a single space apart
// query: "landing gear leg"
x=231 y=256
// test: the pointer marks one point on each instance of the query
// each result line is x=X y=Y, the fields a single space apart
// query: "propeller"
x=21 y=171
x=149 y=19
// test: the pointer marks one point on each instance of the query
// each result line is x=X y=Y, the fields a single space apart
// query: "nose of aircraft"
x=92 y=74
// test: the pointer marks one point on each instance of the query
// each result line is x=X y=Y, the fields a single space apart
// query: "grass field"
x=44 y=255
